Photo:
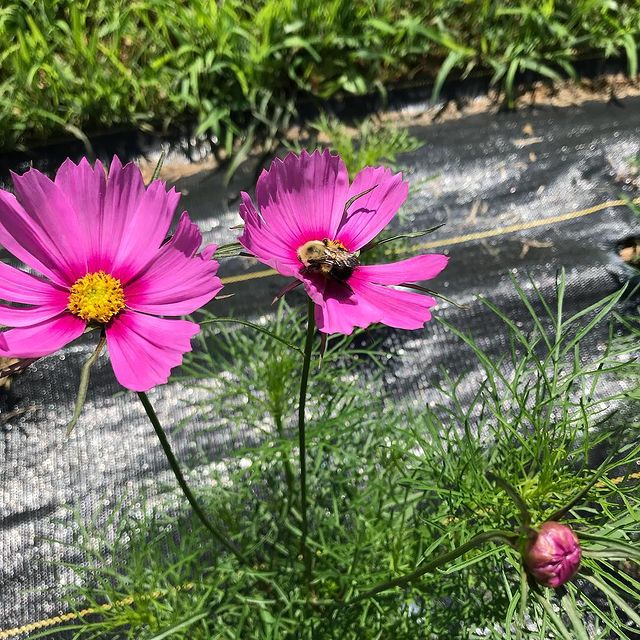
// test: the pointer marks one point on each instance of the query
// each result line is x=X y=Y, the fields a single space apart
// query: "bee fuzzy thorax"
x=329 y=258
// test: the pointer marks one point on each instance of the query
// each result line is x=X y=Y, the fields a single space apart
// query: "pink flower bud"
x=553 y=556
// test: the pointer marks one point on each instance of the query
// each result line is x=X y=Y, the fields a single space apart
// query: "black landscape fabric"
x=538 y=179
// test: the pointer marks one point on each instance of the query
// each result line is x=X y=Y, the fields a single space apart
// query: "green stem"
x=288 y=471
x=569 y=606
x=524 y=597
x=304 y=379
x=555 y=618
x=476 y=541
x=84 y=383
x=153 y=418
x=158 y=169
x=560 y=513
x=615 y=598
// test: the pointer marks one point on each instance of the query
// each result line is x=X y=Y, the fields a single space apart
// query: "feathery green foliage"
x=391 y=488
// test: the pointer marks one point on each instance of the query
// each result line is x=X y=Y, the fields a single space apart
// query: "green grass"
x=238 y=69
x=391 y=487
x=368 y=143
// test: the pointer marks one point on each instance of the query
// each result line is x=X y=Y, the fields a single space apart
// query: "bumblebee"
x=329 y=258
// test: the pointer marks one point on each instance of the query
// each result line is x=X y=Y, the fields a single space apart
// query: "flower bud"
x=553 y=556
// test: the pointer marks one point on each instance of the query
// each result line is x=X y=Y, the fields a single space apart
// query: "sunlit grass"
x=238 y=69
x=368 y=143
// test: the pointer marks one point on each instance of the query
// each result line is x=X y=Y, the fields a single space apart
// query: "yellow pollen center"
x=96 y=297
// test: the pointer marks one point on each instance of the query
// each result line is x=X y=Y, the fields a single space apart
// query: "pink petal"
x=208 y=252
x=370 y=303
x=85 y=187
x=143 y=349
x=414 y=269
x=41 y=339
x=302 y=197
x=260 y=240
x=56 y=219
x=28 y=242
x=135 y=220
x=176 y=281
x=125 y=190
x=371 y=213
x=18 y=286
x=340 y=311
x=146 y=228
x=319 y=289
x=51 y=303
x=399 y=309
x=28 y=316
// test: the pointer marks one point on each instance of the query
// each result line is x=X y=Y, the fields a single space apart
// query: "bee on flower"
x=311 y=224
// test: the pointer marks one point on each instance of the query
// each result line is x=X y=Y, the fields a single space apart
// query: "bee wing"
x=348 y=260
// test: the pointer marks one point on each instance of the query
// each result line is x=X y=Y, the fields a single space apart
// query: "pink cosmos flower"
x=553 y=555
x=311 y=224
x=97 y=245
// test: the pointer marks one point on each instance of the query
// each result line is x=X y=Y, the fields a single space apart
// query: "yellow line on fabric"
x=478 y=235
x=522 y=226
x=619 y=479
x=254 y=275
x=155 y=595
x=83 y=613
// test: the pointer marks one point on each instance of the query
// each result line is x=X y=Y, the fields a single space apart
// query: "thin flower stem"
x=84 y=383
x=614 y=597
x=158 y=169
x=288 y=471
x=571 y=610
x=476 y=541
x=560 y=513
x=304 y=379
x=153 y=418
x=555 y=618
x=524 y=598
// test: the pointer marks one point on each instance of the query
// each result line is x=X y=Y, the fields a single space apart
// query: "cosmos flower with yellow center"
x=97 y=244
x=311 y=224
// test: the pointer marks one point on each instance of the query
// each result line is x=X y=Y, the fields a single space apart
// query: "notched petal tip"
x=70 y=168
x=247 y=209
x=208 y=252
x=31 y=178
x=115 y=166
